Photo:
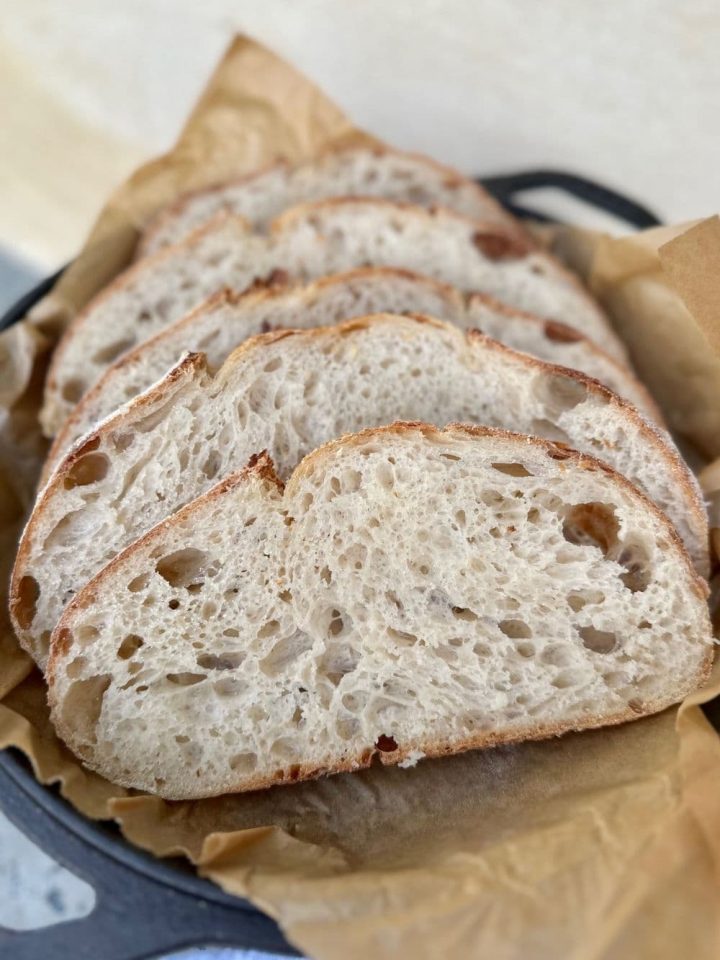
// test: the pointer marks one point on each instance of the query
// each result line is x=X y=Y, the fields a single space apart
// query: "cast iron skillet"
x=147 y=907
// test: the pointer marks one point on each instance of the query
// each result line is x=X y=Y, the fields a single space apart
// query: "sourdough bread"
x=290 y=391
x=223 y=322
x=411 y=593
x=309 y=242
x=364 y=171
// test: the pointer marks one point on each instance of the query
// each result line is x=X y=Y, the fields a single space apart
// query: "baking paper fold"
x=595 y=846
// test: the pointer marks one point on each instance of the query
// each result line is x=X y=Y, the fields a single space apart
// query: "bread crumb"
x=411 y=759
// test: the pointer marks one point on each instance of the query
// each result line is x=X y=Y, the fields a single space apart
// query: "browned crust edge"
x=122 y=280
x=451 y=177
x=190 y=366
x=431 y=749
x=262 y=468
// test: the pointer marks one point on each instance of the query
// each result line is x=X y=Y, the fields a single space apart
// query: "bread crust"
x=452 y=178
x=123 y=279
x=261 y=468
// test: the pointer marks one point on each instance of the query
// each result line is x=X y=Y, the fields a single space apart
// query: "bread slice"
x=355 y=171
x=224 y=321
x=308 y=242
x=290 y=391
x=412 y=592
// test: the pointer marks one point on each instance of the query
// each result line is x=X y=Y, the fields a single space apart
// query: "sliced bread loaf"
x=290 y=391
x=309 y=242
x=223 y=322
x=411 y=593
x=357 y=171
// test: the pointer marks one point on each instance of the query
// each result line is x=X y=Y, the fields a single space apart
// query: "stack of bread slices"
x=345 y=467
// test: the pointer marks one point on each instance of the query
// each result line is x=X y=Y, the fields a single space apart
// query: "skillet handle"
x=136 y=916
x=505 y=187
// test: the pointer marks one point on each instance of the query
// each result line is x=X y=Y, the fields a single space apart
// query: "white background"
x=627 y=91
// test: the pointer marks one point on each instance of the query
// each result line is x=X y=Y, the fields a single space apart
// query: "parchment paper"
x=597 y=846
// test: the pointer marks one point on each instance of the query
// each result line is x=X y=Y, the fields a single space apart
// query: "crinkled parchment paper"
x=597 y=846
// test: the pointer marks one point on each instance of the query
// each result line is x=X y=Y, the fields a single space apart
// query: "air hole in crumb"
x=272 y=365
x=113 y=350
x=25 y=602
x=560 y=333
x=181 y=738
x=285 y=652
x=86 y=634
x=591 y=524
x=325 y=575
x=385 y=744
x=599 y=641
x=635 y=705
x=183 y=568
x=122 y=441
x=185 y=678
x=86 y=470
x=76 y=667
x=228 y=660
x=464 y=613
x=515 y=629
x=268 y=629
x=512 y=469
x=243 y=762
x=568 y=678
x=212 y=464
x=576 y=601
x=482 y=650
x=337 y=624
x=174 y=603
x=401 y=637
x=228 y=687
x=138 y=583
x=72 y=390
x=556 y=655
x=385 y=476
x=525 y=649
x=637 y=575
x=559 y=394
x=285 y=596
x=130 y=645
